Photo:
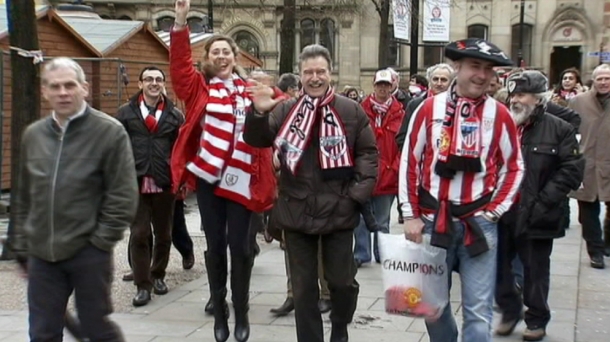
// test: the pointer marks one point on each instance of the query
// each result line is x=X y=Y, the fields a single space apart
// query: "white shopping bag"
x=415 y=277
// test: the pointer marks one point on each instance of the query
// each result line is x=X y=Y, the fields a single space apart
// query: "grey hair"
x=598 y=69
x=313 y=51
x=544 y=98
x=65 y=63
x=441 y=66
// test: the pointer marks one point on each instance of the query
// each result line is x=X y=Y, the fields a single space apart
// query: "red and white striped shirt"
x=500 y=155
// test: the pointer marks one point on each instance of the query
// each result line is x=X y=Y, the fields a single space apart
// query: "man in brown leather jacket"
x=329 y=167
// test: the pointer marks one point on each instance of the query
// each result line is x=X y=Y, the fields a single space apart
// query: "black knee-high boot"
x=217 y=277
x=241 y=272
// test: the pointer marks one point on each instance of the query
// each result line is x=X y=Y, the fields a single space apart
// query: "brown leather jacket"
x=308 y=203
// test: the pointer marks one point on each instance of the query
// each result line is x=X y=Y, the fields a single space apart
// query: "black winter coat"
x=152 y=151
x=553 y=167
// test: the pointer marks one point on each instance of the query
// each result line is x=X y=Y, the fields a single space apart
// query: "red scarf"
x=567 y=94
x=381 y=109
x=462 y=130
x=151 y=120
x=295 y=134
x=224 y=159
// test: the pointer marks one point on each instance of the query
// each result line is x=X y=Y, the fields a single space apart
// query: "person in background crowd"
x=290 y=85
x=440 y=77
x=570 y=85
x=328 y=167
x=385 y=115
x=418 y=85
x=455 y=186
x=553 y=167
x=220 y=167
x=593 y=107
x=180 y=235
x=399 y=94
x=352 y=93
x=152 y=122
x=494 y=86
x=64 y=235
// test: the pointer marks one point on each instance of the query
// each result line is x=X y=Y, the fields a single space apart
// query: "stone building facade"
x=557 y=33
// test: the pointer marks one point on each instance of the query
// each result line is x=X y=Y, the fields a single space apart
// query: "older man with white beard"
x=553 y=167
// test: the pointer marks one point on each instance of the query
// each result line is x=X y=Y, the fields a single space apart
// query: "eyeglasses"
x=153 y=79
x=440 y=79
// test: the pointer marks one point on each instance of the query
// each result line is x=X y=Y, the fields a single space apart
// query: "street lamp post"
x=211 y=16
x=521 y=27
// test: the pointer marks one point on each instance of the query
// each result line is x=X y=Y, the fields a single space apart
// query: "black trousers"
x=588 y=216
x=154 y=210
x=225 y=222
x=50 y=284
x=181 y=238
x=536 y=258
x=180 y=235
x=339 y=271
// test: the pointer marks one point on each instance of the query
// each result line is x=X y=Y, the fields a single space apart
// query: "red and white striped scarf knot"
x=151 y=120
x=381 y=109
x=294 y=135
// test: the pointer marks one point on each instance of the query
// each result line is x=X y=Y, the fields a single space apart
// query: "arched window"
x=125 y=17
x=247 y=42
x=196 y=24
x=526 y=53
x=478 y=31
x=308 y=33
x=165 y=24
x=327 y=35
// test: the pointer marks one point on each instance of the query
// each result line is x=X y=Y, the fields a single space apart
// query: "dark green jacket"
x=75 y=187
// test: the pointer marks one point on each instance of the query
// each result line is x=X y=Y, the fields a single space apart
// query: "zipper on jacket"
x=53 y=186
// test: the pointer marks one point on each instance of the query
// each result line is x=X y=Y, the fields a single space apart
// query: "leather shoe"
x=507 y=326
x=607 y=251
x=209 y=307
x=597 y=261
x=534 y=334
x=324 y=305
x=338 y=333
x=285 y=309
x=159 y=287
x=188 y=262
x=128 y=276
x=142 y=298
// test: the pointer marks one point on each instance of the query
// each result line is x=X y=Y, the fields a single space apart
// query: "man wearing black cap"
x=460 y=169
x=554 y=166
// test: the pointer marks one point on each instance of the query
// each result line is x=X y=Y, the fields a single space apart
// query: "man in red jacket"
x=385 y=114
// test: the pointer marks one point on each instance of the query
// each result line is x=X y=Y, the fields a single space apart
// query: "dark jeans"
x=180 y=234
x=89 y=275
x=225 y=222
x=339 y=271
x=588 y=216
x=536 y=258
x=155 y=209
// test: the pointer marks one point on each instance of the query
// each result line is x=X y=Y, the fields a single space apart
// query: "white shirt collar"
x=81 y=112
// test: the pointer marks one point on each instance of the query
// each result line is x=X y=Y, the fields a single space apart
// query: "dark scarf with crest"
x=460 y=147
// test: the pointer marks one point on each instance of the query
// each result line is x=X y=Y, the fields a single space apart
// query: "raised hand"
x=182 y=10
x=262 y=96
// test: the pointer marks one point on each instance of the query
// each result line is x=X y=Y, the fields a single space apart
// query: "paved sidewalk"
x=579 y=299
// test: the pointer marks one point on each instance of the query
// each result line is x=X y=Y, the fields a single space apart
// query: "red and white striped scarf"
x=381 y=109
x=224 y=159
x=151 y=120
x=567 y=94
x=294 y=136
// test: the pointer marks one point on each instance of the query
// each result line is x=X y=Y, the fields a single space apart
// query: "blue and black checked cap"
x=478 y=49
x=528 y=81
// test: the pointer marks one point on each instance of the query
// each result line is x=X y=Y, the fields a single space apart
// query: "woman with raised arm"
x=231 y=179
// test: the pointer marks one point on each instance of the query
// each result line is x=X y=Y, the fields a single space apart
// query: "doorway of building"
x=564 y=57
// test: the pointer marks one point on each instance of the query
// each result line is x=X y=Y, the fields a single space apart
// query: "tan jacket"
x=595 y=146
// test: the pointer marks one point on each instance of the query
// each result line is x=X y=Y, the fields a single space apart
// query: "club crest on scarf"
x=460 y=143
x=294 y=135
